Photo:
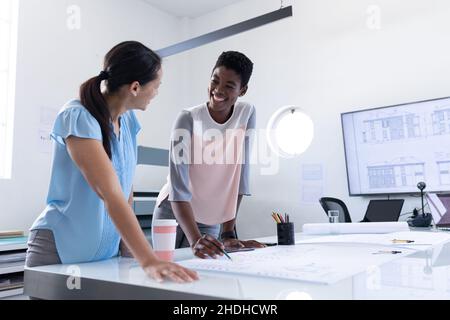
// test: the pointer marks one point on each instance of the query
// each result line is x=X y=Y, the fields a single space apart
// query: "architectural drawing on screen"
x=441 y=121
x=391 y=128
x=390 y=149
x=401 y=172
x=444 y=172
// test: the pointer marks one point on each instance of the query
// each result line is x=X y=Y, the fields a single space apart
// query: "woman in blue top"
x=94 y=161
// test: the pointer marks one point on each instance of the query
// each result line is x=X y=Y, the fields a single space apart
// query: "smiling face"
x=224 y=89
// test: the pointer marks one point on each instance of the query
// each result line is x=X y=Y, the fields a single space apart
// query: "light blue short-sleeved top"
x=82 y=227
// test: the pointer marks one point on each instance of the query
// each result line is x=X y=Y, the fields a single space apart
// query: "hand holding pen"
x=208 y=246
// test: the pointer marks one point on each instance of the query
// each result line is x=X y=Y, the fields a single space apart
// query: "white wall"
x=326 y=60
x=52 y=62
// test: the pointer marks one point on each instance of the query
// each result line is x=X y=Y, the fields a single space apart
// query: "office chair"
x=328 y=203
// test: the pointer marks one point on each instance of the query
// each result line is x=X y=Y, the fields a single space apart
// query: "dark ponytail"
x=125 y=63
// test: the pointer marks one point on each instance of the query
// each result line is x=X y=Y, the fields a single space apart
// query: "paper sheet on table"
x=357 y=228
x=317 y=263
x=422 y=240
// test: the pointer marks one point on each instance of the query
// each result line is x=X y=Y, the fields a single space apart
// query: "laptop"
x=439 y=205
x=383 y=210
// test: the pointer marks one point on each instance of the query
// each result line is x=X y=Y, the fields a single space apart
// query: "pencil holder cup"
x=285 y=233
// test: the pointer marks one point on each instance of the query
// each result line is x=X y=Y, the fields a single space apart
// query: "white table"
x=421 y=275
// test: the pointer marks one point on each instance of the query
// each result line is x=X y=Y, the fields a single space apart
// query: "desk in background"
x=151 y=174
x=12 y=262
x=143 y=206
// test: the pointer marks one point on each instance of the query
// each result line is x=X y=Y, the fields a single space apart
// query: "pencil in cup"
x=276 y=217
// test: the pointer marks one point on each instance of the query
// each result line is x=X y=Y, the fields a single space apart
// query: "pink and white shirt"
x=209 y=162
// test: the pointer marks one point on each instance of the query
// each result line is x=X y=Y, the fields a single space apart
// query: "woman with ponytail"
x=87 y=213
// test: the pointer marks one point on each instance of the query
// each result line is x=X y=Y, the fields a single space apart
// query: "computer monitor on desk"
x=383 y=210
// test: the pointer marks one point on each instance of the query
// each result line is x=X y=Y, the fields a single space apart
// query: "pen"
x=270 y=244
x=281 y=218
x=392 y=252
x=223 y=251
x=402 y=241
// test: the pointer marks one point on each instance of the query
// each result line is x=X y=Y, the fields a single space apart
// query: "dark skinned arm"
x=203 y=246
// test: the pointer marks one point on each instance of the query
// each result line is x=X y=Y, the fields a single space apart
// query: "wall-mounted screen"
x=390 y=149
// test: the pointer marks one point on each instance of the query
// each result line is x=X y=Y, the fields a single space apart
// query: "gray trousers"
x=41 y=249
x=164 y=211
